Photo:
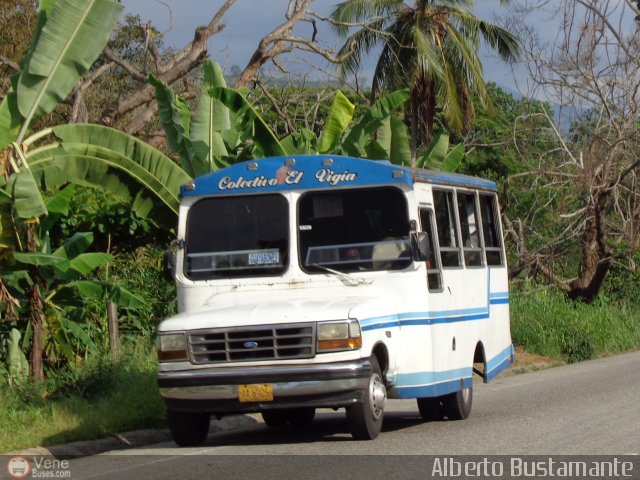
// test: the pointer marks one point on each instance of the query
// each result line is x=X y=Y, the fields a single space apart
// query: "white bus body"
x=326 y=281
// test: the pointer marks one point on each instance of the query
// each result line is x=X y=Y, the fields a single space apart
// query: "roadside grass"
x=103 y=397
x=544 y=322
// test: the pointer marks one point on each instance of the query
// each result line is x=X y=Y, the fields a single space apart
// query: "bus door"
x=456 y=272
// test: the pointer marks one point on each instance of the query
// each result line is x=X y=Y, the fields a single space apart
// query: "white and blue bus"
x=321 y=281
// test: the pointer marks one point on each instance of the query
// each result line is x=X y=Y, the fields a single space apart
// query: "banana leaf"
x=27 y=200
x=439 y=157
x=87 y=262
x=10 y=119
x=39 y=259
x=355 y=142
x=97 y=290
x=74 y=34
x=301 y=142
x=61 y=202
x=75 y=245
x=211 y=119
x=265 y=142
x=338 y=120
x=453 y=159
x=102 y=157
x=7 y=228
x=175 y=116
x=400 y=149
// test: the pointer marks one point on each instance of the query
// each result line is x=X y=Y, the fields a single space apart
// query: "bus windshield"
x=237 y=236
x=353 y=230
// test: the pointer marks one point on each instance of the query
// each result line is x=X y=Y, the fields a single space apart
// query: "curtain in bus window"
x=469 y=228
x=492 y=239
x=434 y=279
x=446 y=225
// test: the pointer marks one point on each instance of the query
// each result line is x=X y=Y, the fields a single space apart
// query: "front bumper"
x=215 y=390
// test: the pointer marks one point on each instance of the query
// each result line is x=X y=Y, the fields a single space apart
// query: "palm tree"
x=430 y=47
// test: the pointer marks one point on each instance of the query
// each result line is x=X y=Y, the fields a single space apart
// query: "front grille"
x=255 y=343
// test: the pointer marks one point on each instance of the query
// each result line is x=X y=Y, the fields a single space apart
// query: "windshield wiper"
x=346 y=278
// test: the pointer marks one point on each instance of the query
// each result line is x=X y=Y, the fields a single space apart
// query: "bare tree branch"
x=584 y=195
x=281 y=40
x=181 y=64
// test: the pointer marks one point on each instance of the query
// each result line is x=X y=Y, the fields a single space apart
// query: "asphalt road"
x=591 y=408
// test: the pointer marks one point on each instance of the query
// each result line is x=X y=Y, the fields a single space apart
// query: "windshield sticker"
x=265 y=258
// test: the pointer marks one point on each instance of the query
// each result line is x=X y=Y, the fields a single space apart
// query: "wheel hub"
x=377 y=395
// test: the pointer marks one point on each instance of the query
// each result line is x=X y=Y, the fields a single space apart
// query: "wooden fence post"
x=114 y=331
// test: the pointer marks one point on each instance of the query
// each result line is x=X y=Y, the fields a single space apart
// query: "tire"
x=430 y=409
x=457 y=405
x=365 y=418
x=297 y=417
x=302 y=417
x=188 y=429
x=275 y=418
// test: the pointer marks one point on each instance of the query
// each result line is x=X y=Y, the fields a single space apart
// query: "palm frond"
x=353 y=12
x=358 y=45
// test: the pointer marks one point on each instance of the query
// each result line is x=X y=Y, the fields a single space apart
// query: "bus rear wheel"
x=430 y=409
x=457 y=405
x=365 y=418
x=454 y=406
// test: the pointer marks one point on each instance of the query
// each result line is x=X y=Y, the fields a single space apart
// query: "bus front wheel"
x=365 y=418
x=188 y=429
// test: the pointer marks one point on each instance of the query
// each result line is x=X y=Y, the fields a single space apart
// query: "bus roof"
x=317 y=172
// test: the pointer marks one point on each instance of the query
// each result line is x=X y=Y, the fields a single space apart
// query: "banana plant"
x=105 y=158
x=339 y=136
x=380 y=134
x=69 y=36
x=234 y=125
x=59 y=276
x=440 y=157
x=198 y=143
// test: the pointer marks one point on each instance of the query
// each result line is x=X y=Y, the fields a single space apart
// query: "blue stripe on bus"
x=499 y=295
x=435 y=390
x=435 y=317
x=428 y=378
x=499 y=363
x=433 y=384
x=499 y=301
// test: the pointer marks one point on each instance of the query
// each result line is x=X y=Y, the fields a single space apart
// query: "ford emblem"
x=250 y=344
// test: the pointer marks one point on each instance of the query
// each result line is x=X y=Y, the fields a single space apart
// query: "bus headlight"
x=337 y=336
x=172 y=347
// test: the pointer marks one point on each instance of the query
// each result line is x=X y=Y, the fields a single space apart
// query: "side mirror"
x=420 y=245
x=169 y=266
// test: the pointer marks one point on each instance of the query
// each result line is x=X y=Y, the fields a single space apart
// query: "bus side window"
x=490 y=230
x=469 y=228
x=434 y=278
x=445 y=210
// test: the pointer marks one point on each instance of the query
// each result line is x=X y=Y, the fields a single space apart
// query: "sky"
x=249 y=20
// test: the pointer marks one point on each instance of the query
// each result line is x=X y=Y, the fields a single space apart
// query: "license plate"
x=260 y=392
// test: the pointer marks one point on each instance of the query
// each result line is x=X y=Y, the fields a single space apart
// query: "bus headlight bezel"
x=338 y=336
x=172 y=347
